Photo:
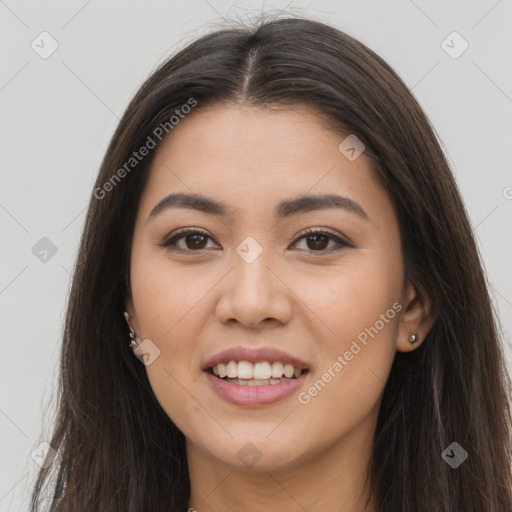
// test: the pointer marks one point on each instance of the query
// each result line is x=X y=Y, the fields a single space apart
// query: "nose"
x=254 y=294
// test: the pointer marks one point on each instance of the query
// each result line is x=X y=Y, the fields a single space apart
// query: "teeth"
x=245 y=370
x=263 y=371
x=221 y=368
x=288 y=370
x=256 y=382
x=232 y=369
x=277 y=370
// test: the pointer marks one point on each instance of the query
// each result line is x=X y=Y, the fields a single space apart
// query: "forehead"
x=251 y=158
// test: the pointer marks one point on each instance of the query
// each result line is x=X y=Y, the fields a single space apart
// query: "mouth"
x=253 y=377
x=243 y=383
x=264 y=373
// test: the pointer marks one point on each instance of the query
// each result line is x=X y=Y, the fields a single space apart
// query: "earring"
x=413 y=337
x=132 y=332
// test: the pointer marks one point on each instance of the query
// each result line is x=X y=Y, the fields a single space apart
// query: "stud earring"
x=133 y=343
x=413 y=337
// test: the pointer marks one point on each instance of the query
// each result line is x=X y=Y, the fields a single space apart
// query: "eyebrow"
x=284 y=209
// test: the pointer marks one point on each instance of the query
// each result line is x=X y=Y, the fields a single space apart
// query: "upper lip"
x=254 y=355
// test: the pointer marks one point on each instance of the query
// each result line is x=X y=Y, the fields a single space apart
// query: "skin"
x=313 y=305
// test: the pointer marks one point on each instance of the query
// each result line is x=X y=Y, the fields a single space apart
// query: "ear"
x=132 y=318
x=418 y=317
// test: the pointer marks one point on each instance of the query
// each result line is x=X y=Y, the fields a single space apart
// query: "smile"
x=247 y=384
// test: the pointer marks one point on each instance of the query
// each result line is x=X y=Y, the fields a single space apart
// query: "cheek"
x=360 y=305
x=350 y=298
x=165 y=293
x=166 y=302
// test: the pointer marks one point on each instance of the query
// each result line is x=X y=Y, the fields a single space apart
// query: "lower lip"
x=254 y=395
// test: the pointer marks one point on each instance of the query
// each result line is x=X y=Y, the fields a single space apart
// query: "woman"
x=278 y=302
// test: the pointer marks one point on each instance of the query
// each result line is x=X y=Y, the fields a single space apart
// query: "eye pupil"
x=196 y=239
x=316 y=243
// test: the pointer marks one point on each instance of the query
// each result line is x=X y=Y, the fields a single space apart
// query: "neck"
x=331 y=480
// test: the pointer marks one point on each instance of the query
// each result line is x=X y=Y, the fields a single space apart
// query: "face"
x=320 y=281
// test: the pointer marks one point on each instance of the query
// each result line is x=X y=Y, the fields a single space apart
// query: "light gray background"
x=58 y=114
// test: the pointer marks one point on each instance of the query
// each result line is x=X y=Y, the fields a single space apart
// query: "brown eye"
x=318 y=241
x=187 y=240
x=195 y=241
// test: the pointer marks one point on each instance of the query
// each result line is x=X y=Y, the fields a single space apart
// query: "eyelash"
x=170 y=243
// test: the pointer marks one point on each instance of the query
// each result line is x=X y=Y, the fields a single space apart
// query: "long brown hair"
x=117 y=448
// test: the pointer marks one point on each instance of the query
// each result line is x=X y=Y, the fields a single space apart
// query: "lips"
x=255 y=356
x=255 y=396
